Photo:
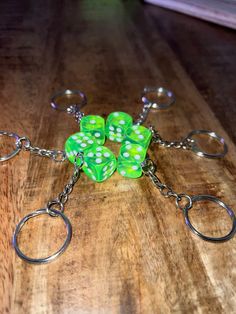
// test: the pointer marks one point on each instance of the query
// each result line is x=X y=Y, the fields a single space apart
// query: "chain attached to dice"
x=87 y=151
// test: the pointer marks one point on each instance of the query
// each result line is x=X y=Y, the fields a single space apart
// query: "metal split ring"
x=68 y=92
x=229 y=211
x=197 y=150
x=17 y=148
x=54 y=255
x=161 y=92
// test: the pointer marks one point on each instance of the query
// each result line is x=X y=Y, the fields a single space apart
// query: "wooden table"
x=131 y=251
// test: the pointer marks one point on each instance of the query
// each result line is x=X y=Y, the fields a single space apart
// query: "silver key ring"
x=229 y=211
x=17 y=148
x=68 y=92
x=197 y=150
x=51 y=257
x=161 y=92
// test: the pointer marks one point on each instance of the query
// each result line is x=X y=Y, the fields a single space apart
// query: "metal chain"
x=56 y=155
x=149 y=169
x=143 y=115
x=62 y=197
x=74 y=111
x=186 y=144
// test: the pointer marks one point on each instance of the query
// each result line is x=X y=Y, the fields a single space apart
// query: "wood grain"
x=216 y=11
x=130 y=252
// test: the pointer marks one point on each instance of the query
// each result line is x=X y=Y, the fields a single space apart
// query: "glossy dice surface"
x=138 y=134
x=78 y=142
x=117 y=125
x=99 y=163
x=129 y=169
x=133 y=152
x=129 y=160
x=94 y=125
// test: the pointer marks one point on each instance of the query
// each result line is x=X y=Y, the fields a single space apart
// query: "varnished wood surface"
x=131 y=251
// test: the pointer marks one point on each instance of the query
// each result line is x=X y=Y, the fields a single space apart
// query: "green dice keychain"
x=99 y=161
x=87 y=151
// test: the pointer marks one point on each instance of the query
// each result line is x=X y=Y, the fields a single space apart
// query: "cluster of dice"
x=99 y=161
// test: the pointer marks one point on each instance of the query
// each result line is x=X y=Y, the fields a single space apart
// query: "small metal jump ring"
x=52 y=204
x=197 y=150
x=161 y=93
x=79 y=156
x=230 y=212
x=23 y=142
x=180 y=197
x=68 y=92
x=51 y=257
x=17 y=148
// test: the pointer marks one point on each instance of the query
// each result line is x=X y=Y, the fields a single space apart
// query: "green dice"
x=133 y=151
x=138 y=134
x=78 y=142
x=117 y=125
x=95 y=125
x=99 y=163
x=129 y=161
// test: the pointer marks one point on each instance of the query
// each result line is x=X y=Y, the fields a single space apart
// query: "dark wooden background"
x=130 y=252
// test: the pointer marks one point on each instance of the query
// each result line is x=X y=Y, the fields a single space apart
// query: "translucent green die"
x=78 y=142
x=129 y=169
x=132 y=152
x=117 y=124
x=129 y=160
x=94 y=125
x=138 y=134
x=99 y=163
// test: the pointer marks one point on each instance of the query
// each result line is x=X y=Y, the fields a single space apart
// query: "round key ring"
x=197 y=150
x=17 y=148
x=68 y=93
x=229 y=211
x=51 y=257
x=161 y=93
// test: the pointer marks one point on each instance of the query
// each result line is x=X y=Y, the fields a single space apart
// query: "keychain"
x=87 y=151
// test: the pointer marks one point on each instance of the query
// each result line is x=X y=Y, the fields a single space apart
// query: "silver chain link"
x=143 y=115
x=186 y=144
x=149 y=169
x=62 y=197
x=74 y=111
x=56 y=155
